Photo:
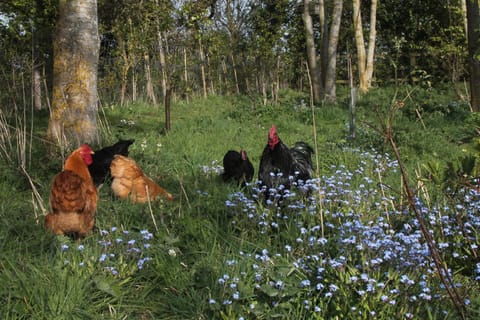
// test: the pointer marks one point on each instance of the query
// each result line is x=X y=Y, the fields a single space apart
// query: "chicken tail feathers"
x=303 y=148
x=302 y=160
x=159 y=191
x=121 y=147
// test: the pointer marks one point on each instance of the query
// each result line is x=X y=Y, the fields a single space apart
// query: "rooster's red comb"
x=86 y=148
x=273 y=130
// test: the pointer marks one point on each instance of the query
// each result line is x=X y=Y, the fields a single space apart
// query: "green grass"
x=216 y=253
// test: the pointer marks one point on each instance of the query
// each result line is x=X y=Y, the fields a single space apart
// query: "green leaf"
x=106 y=286
x=269 y=290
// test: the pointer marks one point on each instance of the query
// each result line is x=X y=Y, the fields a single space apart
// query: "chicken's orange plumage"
x=73 y=197
x=129 y=181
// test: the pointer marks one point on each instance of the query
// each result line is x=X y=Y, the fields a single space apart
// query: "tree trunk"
x=364 y=62
x=263 y=85
x=360 y=43
x=353 y=99
x=202 y=67
x=311 y=53
x=464 y=14
x=323 y=43
x=73 y=117
x=134 y=85
x=209 y=76
x=148 y=78
x=223 y=79
x=235 y=76
x=473 y=20
x=167 y=109
x=276 y=83
x=124 y=72
x=371 y=41
x=37 y=88
x=163 y=65
x=331 y=65
x=185 y=73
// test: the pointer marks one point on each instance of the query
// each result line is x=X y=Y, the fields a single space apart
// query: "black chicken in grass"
x=100 y=168
x=237 y=167
x=302 y=160
x=279 y=163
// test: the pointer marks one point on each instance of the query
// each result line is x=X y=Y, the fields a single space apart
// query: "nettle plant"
x=344 y=245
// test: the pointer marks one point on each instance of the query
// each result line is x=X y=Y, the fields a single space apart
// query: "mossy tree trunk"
x=73 y=117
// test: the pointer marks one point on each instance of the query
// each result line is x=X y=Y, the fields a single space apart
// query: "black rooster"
x=100 y=168
x=237 y=167
x=279 y=163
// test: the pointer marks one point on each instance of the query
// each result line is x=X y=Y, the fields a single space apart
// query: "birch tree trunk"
x=185 y=74
x=163 y=65
x=73 y=117
x=371 y=41
x=331 y=65
x=37 y=88
x=311 y=54
x=364 y=62
x=464 y=13
x=148 y=77
x=202 y=67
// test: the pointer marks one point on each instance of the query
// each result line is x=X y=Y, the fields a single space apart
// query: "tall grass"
x=217 y=252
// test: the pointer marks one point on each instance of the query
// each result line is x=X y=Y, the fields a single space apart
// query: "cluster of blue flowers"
x=122 y=252
x=346 y=236
x=215 y=168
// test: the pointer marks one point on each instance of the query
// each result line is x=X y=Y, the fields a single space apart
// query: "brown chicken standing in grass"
x=129 y=181
x=73 y=196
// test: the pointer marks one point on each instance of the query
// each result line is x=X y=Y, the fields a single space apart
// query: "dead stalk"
x=442 y=270
x=317 y=161
x=382 y=188
x=150 y=208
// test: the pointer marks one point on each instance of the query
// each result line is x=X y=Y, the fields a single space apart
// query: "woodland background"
x=199 y=48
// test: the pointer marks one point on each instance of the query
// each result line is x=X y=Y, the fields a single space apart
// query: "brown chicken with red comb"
x=73 y=196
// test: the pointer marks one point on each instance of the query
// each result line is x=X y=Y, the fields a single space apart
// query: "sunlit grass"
x=341 y=245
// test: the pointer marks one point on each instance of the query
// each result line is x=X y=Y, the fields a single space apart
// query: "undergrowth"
x=343 y=245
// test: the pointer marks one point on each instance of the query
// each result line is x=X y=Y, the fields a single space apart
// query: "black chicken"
x=237 y=167
x=279 y=163
x=100 y=168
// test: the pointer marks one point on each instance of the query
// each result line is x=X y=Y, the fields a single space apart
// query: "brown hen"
x=73 y=197
x=129 y=181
